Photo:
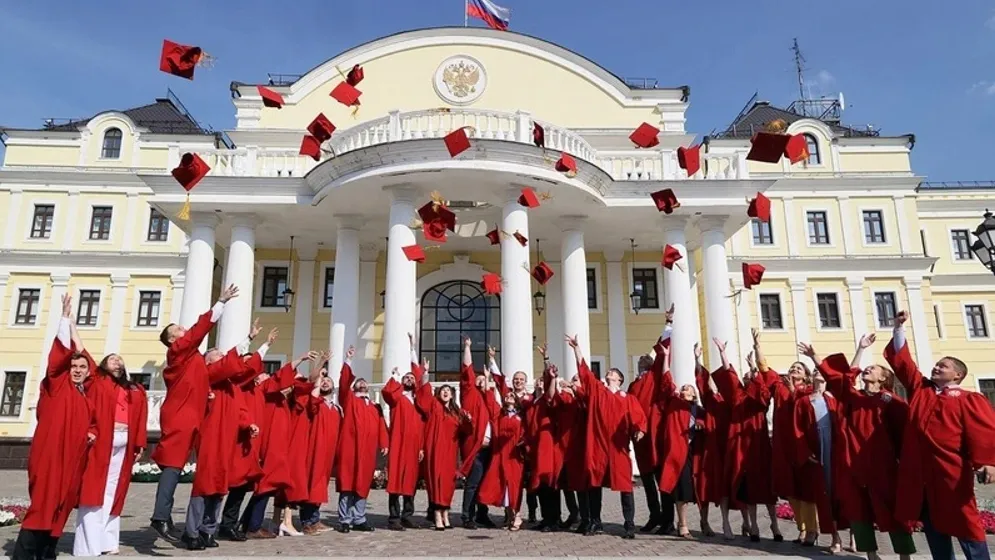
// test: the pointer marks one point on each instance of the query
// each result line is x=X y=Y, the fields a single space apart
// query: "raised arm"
x=665 y=387
x=285 y=377
x=835 y=370
x=346 y=379
x=865 y=342
x=758 y=354
x=898 y=356
x=62 y=350
x=806 y=349
x=585 y=376
x=500 y=382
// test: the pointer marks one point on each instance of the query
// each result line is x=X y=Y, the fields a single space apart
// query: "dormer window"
x=814 y=158
x=112 y=144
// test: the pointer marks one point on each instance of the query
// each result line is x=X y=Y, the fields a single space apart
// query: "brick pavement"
x=137 y=539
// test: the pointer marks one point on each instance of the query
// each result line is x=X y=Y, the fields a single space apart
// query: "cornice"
x=850 y=266
x=135 y=263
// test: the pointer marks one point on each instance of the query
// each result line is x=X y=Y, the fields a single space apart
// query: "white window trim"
x=874 y=306
x=24 y=400
x=884 y=227
x=598 y=286
x=773 y=237
x=820 y=145
x=829 y=227
x=136 y=300
x=988 y=321
x=15 y=297
x=953 y=247
x=839 y=306
x=116 y=215
x=282 y=358
x=782 y=300
x=155 y=374
x=31 y=221
x=325 y=265
x=257 y=289
x=977 y=382
x=941 y=329
x=100 y=306
x=145 y=230
x=660 y=296
x=601 y=360
x=100 y=147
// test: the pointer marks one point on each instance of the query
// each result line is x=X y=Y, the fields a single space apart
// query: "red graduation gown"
x=507 y=468
x=363 y=433
x=613 y=418
x=544 y=453
x=472 y=437
x=807 y=445
x=300 y=437
x=948 y=436
x=675 y=432
x=875 y=424
x=58 y=452
x=407 y=438
x=708 y=446
x=748 y=449
x=185 y=404
x=322 y=442
x=571 y=430
x=442 y=435
x=274 y=431
x=645 y=390
x=244 y=465
x=783 y=468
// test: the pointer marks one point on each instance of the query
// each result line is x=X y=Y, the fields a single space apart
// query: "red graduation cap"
x=796 y=149
x=645 y=136
x=542 y=273
x=457 y=142
x=321 y=128
x=767 y=147
x=414 y=253
x=190 y=171
x=270 y=97
x=355 y=75
x=538 y=135
x=689 y=159
x=179 y=60
x=528 y=198
x=491 y=283
x=566 y=164
x=670 y=257
x=666 y=201
x=494 y=236
x=521 y=239
x=436 y=220
x=346 y=94
x=311 y=146
x=759 y=208
x=752 y=275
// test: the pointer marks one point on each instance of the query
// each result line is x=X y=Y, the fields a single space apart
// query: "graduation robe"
x=645 y=389
x=544 y=453
x=571 y=430
x=407 y=437
x=950 y=433
x=676 y=429
x=807 y=445
x=472 y=437
x=613 y=419
x=58 y=452
x=507 y=468
x=244 y=466
x=300 y=439
x=783 y=468
x=275 y=430
x=708 y=446
x=185 y=405
x=322 y=442
x=442 y=436
x=748 y=448
x=363 y=433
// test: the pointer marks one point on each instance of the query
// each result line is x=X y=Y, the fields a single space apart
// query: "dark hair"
x=124 y=380
x=79 y=356
x=618 y=371
x=959 y=365
x=164 y=336
x=451 y=408
x=518 y=400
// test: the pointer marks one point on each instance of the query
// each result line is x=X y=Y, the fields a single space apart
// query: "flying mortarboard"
x=436 y=219
x=270 y=97
x=414 y=253
x=566 y=164
x=528 y=198
x=521 y=239
x=181 y=60
x=796 y=149
x=538 y=135
x=542 y=273
x=355 y=75
x=494 y=236
x=759 y=208
x=347 y=95
x=645 y=136
x=311 y=147
x=457 y=141
x=767 y=147
x=491 y=283
x=321 y=128
x=753 y=274
x=666 y=201
x=689 y=159
x=188 y=173
x=670 y=257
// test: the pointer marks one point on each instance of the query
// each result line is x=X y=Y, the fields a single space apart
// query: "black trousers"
x=652 y=495
x=233 y=505
x=532 y=501
x=583 y=506
x=571 y=499
x=396 y=511
x=35 y=545
x=549 y=502
x=471 y=509
x=594 y=497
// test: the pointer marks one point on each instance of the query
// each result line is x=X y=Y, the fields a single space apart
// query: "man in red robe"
x=325 y=421
x=407 y=446
x=66 y=428
x=614 y=419
x=183 y=410
x=475 y=447
x=949 y=443
x=363 y=432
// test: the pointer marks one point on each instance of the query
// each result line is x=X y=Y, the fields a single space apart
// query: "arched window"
x=814 y=157
x=112 y=144
x=450 y=311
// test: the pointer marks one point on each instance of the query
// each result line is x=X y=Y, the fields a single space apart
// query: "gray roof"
x=756 y=118
x=161 y=117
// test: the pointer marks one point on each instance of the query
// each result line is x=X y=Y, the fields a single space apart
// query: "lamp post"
x=636 y=297
x=288 y=292
x=538 y=298
x=984 y=247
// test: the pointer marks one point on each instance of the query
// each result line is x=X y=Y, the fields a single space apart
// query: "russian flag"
x=493 y=15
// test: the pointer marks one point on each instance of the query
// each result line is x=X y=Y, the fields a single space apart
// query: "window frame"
x=110 y=225
x=325 y=296
x=4 y=370
x=103 y=143
x=877 y=315
x=274 y=358
x=100 y=306
x=660 y=285
x=599 y=288
x=755 y=222
x=829 y=236
x=885 y=238
x=30 y=222
x=810 y=141
x=816 y=292
x=137 y=307
x=34 y=215
x=148 y=227
x=780 y=295
x=153 y=375
x=16 y=305
x=261 y=276
x=977 y=384
x=953 y=246
x=985 y=317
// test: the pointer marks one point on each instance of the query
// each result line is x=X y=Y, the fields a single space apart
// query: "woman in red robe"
x=502 y=484
x=709 y=450
x=571 y=427
x=243 y=468
x=543 y=454
x=325 y=420
x=875 y=423
x=614 y=419
x=407 y=444
x=66 y=428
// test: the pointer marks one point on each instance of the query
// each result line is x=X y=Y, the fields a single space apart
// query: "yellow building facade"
x=316 y=246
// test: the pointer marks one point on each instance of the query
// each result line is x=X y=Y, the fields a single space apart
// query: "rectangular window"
x=27 y=306
x=596 y=368
x=986 y=386
x=961 y=245
x=158 y=226
x=329 y=286
x=770 y=311
x=143 y=379
x=762 y=234
x=148 y=309
x=644 y=284
x=818 y=228
x=13 y=393
x=977 y=322
x=274 y=284
x=88 y=308
x=100 y=223
x=270 y=367
x=887 y=307
x=41 y=225
x=873 y=226
x=829 y=311
x=592 y=289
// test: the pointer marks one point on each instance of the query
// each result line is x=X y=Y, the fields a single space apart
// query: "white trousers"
x=97 y=531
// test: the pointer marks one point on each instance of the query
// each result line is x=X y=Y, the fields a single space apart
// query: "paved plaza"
x=137 y=539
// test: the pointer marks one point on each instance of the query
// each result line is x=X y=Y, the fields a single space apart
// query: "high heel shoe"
x=682 y=530
x=778 y=537
x=289 y=531
x=706 y=529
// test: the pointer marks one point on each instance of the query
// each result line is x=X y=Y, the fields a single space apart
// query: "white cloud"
x=990 y=23
x=984 y=87
x=824 y=78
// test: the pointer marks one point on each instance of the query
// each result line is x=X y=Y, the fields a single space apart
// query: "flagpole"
x=466 y=11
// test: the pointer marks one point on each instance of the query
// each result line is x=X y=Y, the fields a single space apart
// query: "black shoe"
x=344 y=528
x=394 y=525
x=595 y=529
x=163 y=531
x=209 y=540
x=231 y=534
x=569 y=522
x=532 y=517
x=778 y=538
x=653 y=523
x=363 y=528
x=629 y=533
x=550 y=527
x=193 y=543
x=666 y=530
x=470 y=525
x=407 y=523
x=582 y=527
x=485 y=522
x=755 y=538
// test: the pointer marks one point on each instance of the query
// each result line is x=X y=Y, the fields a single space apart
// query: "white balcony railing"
x=624 y=165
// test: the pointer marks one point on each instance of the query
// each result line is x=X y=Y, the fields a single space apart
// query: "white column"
x=13 y=212
x=516 y=293
x=575 y=312
x=119 y=296
x=696 y=308
x=60 y=286
x=920 y=330
x=618 y=347
x=858 y=311
x=4 y=277
x=130 y=221
x=799 y=306
x=718 y=311
x=399 y=308
x=678 y=291
x=742 y=303
x=178 y=280
x=554 y=315
x=239 y=270
x=345 y=305
x=199 y=275
x=303 y=301
x=72 y=217
x=362 y=365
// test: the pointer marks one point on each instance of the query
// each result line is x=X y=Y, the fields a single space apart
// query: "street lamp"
x=539 y=301
x=984 y=247
x=636 y=297
x=288 y=292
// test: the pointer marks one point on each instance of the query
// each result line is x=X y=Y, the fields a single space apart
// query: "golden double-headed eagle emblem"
x=461 y=78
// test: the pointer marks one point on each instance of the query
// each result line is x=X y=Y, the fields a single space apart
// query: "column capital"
x=60 y=279
x=349 y=221
x=243 y=219
x=209 y=219
x=797 y=283
x=843 y=197
x=855 y=282
x=121 y=279
x=913 y=282
x=712 y=223
x=403 y=193
x=898 y=197
x=178 y=280
x=674 y=223
x=570 y=223
x=614 y=255
x=369 y=253
x=4 y=276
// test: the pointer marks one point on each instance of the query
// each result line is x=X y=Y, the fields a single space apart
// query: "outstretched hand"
x=670 y=314
x=721 y=345
x=868 y=340
x=756 y=336
x=67 y=305
x=900 y=318
x=572 y=341
x=806 y=349
x=491 y=352
x=350 y=352
x=543 y=351
x=254 y=331
x=697 y=351
x=424 y=364
x=229 y=293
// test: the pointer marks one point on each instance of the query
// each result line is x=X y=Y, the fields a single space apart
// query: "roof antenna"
x=799 y=68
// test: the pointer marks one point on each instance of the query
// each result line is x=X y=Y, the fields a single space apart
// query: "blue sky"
x=904 y=66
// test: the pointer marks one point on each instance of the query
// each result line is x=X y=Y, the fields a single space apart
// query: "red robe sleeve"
x=383 y=436
x=804 y=416
x=140 y=405
x=978 y=419
x=637 y=417
x=232 y=366
x=896 y=416
x=182 y=348
x=501 y=383
x=709 y=398
x=391 y=392
x=905 y=368
x=424 y=399
x=58 y=359
x=588 y=382
x=283 y=379
x=346 y=379
x=837 y=372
